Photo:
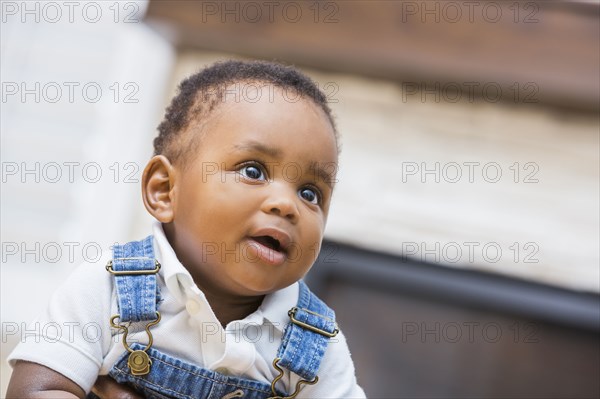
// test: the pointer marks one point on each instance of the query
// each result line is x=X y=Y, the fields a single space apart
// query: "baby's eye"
x=252 y=172
x=310 y=195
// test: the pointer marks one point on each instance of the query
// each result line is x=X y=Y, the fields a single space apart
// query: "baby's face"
x=250 y=208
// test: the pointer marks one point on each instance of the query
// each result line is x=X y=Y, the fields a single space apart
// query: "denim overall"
x=304 y=341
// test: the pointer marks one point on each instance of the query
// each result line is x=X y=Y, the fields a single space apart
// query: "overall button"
x=222 y=370
x=193 y=307
x=139 y=363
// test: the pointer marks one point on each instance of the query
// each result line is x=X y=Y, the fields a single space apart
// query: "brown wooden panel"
x=554 y=45
x=405 y=346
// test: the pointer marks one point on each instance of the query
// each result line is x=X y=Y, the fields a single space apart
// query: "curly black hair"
x=200 y=93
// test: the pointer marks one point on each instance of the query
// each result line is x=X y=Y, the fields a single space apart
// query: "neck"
x=228 y=308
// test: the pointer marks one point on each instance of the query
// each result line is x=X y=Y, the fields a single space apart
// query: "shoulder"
x=89 y=287
x=338 y=376
x=85 y=296
x=336 y=372
x=72 y=326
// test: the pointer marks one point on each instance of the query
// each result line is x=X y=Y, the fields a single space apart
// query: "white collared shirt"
x=73 y=335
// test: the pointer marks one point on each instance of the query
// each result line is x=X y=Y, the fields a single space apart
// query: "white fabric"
x=74 y=337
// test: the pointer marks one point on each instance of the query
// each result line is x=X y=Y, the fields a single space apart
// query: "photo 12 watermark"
x=253 y=92
x=270 y=12
x=452 y=12
x=70 y=92
x=470 y=172
x=54 y=12
x=266 y=249
x=70 y=172
x=454 y=92
x=51 y=252
x=471 y=252
x=470 y=332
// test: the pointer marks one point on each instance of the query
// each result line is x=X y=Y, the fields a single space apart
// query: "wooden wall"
x=552 y=44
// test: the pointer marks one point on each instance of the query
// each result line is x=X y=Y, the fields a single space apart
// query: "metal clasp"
x=292 y=313
x=298 y=384
x=139 y=362
x=110 y=269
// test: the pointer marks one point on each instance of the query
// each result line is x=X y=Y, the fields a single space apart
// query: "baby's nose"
x=282 y=203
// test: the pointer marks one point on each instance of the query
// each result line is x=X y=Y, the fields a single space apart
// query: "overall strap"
x=134 y=268
x=312 y=324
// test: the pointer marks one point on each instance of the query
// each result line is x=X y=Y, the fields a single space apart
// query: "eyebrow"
x=258 y=147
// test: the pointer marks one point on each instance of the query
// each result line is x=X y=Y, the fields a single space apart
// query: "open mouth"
x=269 y=245
x=269 y=242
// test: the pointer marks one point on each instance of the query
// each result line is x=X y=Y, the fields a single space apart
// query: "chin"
x=258 y=287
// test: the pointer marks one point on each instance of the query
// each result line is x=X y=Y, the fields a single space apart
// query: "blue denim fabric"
x=301 y=350
x=170 y=377
x=136 y=294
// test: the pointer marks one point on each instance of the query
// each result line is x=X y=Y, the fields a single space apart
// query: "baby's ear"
x=157 y=185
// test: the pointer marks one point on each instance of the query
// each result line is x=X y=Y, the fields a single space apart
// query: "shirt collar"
x=180 y=284
x=275 y=306
x=177 y=279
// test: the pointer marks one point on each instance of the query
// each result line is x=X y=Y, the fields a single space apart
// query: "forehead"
x=280 y=120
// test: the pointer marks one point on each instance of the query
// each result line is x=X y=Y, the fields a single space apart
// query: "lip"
x=265 y=254
x=278 y=234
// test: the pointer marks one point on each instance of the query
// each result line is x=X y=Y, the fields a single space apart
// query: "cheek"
x=206 y=192
x=314 y=236
x=227 y=189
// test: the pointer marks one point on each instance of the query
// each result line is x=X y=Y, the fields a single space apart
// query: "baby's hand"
x=107 y=388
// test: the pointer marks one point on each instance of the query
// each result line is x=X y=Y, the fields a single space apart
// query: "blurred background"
x=462 y=253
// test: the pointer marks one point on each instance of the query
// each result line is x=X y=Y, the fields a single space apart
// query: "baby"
x=211 y=305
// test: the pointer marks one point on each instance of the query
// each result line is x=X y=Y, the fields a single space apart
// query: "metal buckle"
x=298 y=384
x=292 y=313
x=139 y=362
x=110 y=269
